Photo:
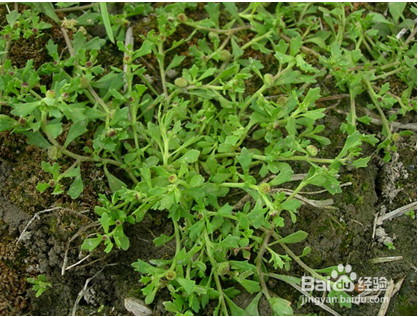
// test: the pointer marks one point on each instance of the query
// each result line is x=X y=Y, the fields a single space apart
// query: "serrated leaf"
x=23 y=109
x=236 y=49
x=41 y=187
x=361 y=162
x=229 y=242
x=104 y=220
x=295 y=45
x=245 y=159
x=285 y=174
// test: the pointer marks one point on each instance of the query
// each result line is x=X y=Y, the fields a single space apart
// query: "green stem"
x=132 y=108
x=279 y=158
x=178 y=243
x=212 y=261
x=259 y=260
x=353 y=108
x=389 y=73
x=257 y=39
x=80 y=157
x=160 y=59
x=230 y=31
x=373 y=96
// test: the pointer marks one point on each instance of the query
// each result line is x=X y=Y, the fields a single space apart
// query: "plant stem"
x=81 y=158
x=353 y=108
x=84 y=7
x=259 y=260
x=279 y=158
x=208 y=245
x=178 y=242
x=390 y=73
x=372 y=95
x=160 y=59
x=255 y=40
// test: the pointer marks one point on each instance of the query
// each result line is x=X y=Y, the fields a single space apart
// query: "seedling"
x=40 y=284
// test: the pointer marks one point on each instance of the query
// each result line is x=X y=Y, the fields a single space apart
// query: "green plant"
x=40 y=284
x=389 y=245
x=183 y=144
x=410 y=214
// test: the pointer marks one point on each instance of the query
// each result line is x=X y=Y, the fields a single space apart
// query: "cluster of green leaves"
x=40 y=284
x=193 y=136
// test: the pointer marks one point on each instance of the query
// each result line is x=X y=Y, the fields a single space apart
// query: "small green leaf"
x=121 y=239
x=295 y=45
x=176 y=61
x=229 y=242
x=396 y=10
x=245 y=159
x=23 y=109
x=106 y=21
x=48 y=9
x=285 y=174
x=226 y=210
x=41 y=187
x=163 y=239
x=114 y=183
x=306 y=251
x=236 y=50
x=235 y=310
x=77 y=129
x=191 y=156
x=55 y=129
x=196 y=181
x=295 y=237
x=252 y=308
x=249 y=285
x=361 y=162
x=91 y=244
x=76 y=188
x=280 y=306
x=188 y=285
x=6 y=123
x=104 y=220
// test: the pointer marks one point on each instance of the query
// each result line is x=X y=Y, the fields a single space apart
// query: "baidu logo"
x=344 y=281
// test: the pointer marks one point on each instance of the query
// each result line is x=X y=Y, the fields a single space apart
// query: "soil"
x=99 y=284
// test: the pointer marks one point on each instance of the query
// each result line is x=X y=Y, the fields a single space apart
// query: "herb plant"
x=207 y=127
x=40 y=284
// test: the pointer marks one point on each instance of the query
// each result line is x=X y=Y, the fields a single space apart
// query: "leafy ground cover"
x=202 y=158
